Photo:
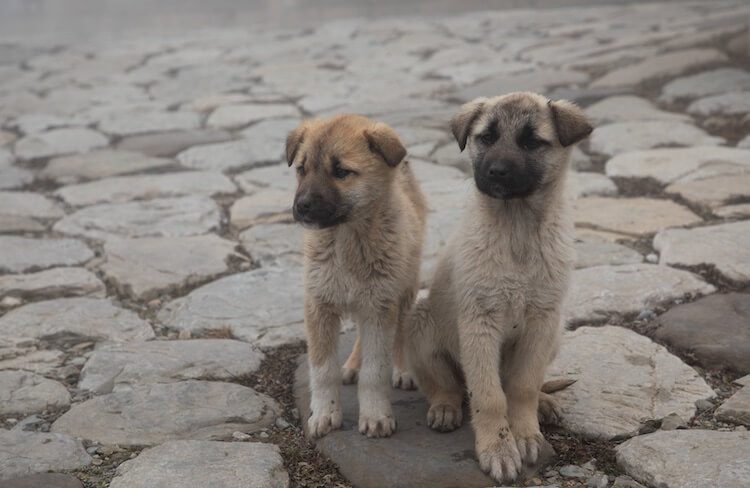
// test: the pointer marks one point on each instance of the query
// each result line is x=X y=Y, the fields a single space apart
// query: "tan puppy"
x=493 y=316
x=365 y=217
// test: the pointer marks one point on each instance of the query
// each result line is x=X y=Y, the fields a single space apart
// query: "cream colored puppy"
x=491 y=323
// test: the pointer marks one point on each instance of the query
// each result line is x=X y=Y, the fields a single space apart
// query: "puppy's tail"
x=556 y=385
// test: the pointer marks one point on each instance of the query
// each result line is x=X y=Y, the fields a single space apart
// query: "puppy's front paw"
x=501 y=459
x=321 y=423
x=529 y=447
x=349 y=375
x=550 y=411
x=444 y=418
x=377 y=422
x=403 y=379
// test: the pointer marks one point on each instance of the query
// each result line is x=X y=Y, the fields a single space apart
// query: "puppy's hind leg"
x=402 y=376
x=350 y=370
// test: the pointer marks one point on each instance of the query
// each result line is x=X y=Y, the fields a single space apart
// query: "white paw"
x=529 y=447
x=349 y=375
x=324 y=420
x=376 y=419
x=501 y=460
x=403 y=379
x=444 y=418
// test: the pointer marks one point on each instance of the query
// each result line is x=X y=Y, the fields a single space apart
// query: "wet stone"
x=714 y=330
x=22 y=392
x=26 y=254
x=26 y=453
x=122 y=367
x=154 y=413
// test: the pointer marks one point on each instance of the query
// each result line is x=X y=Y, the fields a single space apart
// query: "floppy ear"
x=570 y=122
x=293 y=141
x=462 y=122
x=384 y=142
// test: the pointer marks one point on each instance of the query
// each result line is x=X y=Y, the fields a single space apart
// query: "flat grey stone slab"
x=155 y=413
x=12 y=177
x=27 y=254
x=261 y=207
x=620 y=137
x=736 y=409
x=668 y=165
x=28 y=204
x=22 y=392
x=145 y=267
x=277 y=176
x=263 y=306
x=688 y=459
x=595 y=253
x=630 y=108
x=268 y=138
x=52 y=283
x=9 y=223
x=168 y=144
x=723 y=246
x=661 y=66
x=226 y=156
x=181 y=464
x=622 y=380
x=733 y=211
x=141 y=120
x=713 y=191
x=79 y=318
x=536 y=80
x=582 y=184
x=631 y=216
x=274 y=243
x=100 y=164
x=121 y=367
x=26 y=354
x=414 y=457
x=44 y=480
x=58 y=142
x=727 y=104
x=26 y=453
x=602 y=290
x=163 y=217
x=240 y=115
x=721 y=80
x=126 y=188
x=714 y=330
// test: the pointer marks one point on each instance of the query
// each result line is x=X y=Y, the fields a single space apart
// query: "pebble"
x=240 y=436
x=599 y=480
x=573 y=471
x=672 y=422
x=282 y=424
x=652 y=258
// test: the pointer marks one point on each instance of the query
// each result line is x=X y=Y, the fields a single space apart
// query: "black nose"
x=499 y=170
x=302 y=206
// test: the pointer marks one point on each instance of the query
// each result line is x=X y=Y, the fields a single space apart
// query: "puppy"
x=364 y=216
x=491 y=322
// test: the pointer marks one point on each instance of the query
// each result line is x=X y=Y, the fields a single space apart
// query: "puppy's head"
x=344 y=164
x=519 y=142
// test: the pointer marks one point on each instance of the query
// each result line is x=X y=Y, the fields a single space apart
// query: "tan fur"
x=491 y=322
x=366 y=267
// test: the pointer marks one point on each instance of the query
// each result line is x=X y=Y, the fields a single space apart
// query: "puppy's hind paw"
x=550 y=411
x=403 y=379
x=349 y=375
x=444 y=418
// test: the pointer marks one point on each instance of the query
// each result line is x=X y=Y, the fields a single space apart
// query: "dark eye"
x=487 y=137
x=338 y=172
x=301 y=170
x=531 y=143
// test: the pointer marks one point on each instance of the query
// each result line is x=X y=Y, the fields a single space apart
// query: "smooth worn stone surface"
x=182 y=464
x=26 y=254
x=661 y=66
x=100 y=164
x=58 y=142
x=583 y=184
x=28 y=204
x=233 y=116
x=723 y=246
x=225 y=156
x=268 y=138
x=274 y=243
x=736 y=409
x=146 y=267
x=735 y=103
x=262 y=207
x=154 y=413
x=733 y=211
x=22 y=392
x=263 y=306
x=721 y=80
x=52 y=283
x=23 y=353
x=602 y=290
x=595 y=253
x=127 y=188
x=668 y=165
x=168 y=144
x=9 y=223
x=79 y=318
x=714 y=330
x=12 y=177
x=163 y=217
x=627 y=108
x=25 y=453
x=631 y=216
x=277 y=176
x=713 y=191
x=622 y=380
x=44 y=480
x=688 y=459
x=414 y=457
x=141 y=120
x=121 y=367
x=620 y=137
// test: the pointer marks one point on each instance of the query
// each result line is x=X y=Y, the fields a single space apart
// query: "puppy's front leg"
x=375 y=414
x=323 y=322
x=480 y=358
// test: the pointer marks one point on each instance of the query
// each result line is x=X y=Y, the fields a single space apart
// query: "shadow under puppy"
x=364 y=219
x=491 y=323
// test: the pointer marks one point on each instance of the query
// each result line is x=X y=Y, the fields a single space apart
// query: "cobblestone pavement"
x=150 y=278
